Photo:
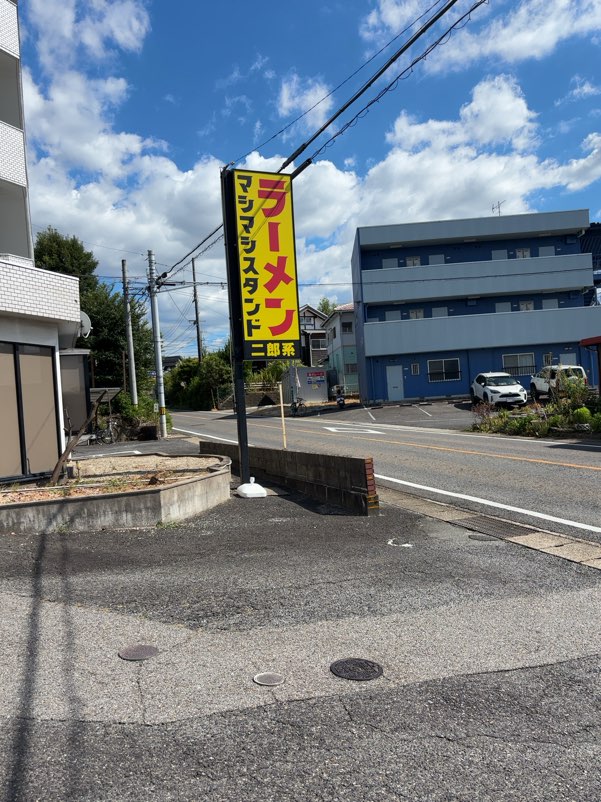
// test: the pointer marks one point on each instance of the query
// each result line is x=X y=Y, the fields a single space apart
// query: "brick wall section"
x=31 y=292
x=9 y=29
x=343 y=481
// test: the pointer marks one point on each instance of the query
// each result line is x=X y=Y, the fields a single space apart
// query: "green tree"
x=212 y=383
x=179 y=380
x=107 y=341
x=326 y=306
x=66 y=255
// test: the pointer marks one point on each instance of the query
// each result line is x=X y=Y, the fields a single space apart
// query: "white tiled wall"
x=12 y=155
x=31 y=292
x=9 y=30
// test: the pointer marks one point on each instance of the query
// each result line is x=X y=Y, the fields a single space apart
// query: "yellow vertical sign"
x=267 y=263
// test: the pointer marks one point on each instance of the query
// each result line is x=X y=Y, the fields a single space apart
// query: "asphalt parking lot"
x=441 y=414
x=489 y=654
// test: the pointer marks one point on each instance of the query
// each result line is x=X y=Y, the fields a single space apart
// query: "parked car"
x=545 y=381
x=498 y=388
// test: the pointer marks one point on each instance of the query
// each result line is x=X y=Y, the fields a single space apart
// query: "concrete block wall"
x=29 y=291
x=346 y=482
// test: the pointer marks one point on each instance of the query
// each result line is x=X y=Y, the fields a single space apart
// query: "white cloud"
x=63 y=26
x=530 y=29
x=582 y=89
x=389 y=18
x=305 y=96
x=497 y=114
x=120 y=23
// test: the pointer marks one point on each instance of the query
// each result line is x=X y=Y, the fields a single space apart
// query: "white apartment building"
x=342 y=348
x=39 y=309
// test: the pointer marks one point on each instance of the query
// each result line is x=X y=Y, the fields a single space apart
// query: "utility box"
x=310 y=384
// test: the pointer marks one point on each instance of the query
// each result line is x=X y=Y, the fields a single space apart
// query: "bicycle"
x=104 y=434
x=298 y=407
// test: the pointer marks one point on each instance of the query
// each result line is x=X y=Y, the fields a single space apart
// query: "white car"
x=497 y=388
x=545 y=381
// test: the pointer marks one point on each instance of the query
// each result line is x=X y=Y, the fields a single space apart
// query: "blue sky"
x=133 y=106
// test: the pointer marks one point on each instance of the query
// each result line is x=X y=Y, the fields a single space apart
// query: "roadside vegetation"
x=571 y=407
x=208 y=385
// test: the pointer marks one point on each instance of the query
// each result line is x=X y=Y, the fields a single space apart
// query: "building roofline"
x=574 y=221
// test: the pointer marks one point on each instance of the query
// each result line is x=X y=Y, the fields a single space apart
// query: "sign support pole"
x=228 y=199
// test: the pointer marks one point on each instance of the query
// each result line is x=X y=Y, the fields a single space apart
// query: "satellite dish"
x=85 y=326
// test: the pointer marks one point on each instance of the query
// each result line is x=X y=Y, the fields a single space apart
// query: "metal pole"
x=133 y=387
x=236 y=323
x=156 y=335
x=282 y=414
x=197 y=313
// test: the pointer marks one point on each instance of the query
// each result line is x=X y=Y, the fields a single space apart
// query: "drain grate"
x=492 y=526
x=356 y=668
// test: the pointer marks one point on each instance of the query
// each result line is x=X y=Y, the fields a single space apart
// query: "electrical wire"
x=340 y=85
x=395 y=57
x=425 y=27
x=393 y=84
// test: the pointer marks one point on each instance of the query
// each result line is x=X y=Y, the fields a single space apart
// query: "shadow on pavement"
x=23 y=739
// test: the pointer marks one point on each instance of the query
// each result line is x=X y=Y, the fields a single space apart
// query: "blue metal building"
x=436 y=303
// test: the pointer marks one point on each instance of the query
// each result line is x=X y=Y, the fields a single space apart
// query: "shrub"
x=133 y=417
x=581 y=415
x=538 y=428
x=596 y=422
x=557 y=421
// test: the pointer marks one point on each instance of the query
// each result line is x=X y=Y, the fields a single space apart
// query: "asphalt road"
x=552 y=484
x=490 y=657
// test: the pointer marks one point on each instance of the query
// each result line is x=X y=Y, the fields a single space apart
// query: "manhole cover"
x=356 y=668
x=139 y=652
x=482 y=537
x=268 y=678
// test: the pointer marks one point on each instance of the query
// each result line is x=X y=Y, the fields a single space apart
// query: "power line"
x=395 y=57
x=391 y=86
x=340 y=85
x=425 y=27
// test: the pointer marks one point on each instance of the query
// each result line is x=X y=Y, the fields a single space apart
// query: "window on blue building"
x=519 y=364
x=443 y=370
x=413 y=261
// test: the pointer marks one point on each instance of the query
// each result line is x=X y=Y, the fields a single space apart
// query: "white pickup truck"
x=545 y=381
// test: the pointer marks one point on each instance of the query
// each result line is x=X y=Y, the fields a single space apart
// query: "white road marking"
x=494 y=504
x=369 y=413
x=429 y=414
x=339 y=430
x=210 y=436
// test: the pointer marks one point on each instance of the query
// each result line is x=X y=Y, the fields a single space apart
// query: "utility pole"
x=156 y=336
x=197 y=313
x=236 y=325
x=133 y=387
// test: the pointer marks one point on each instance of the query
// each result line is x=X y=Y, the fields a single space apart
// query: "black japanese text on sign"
x=267 y=260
